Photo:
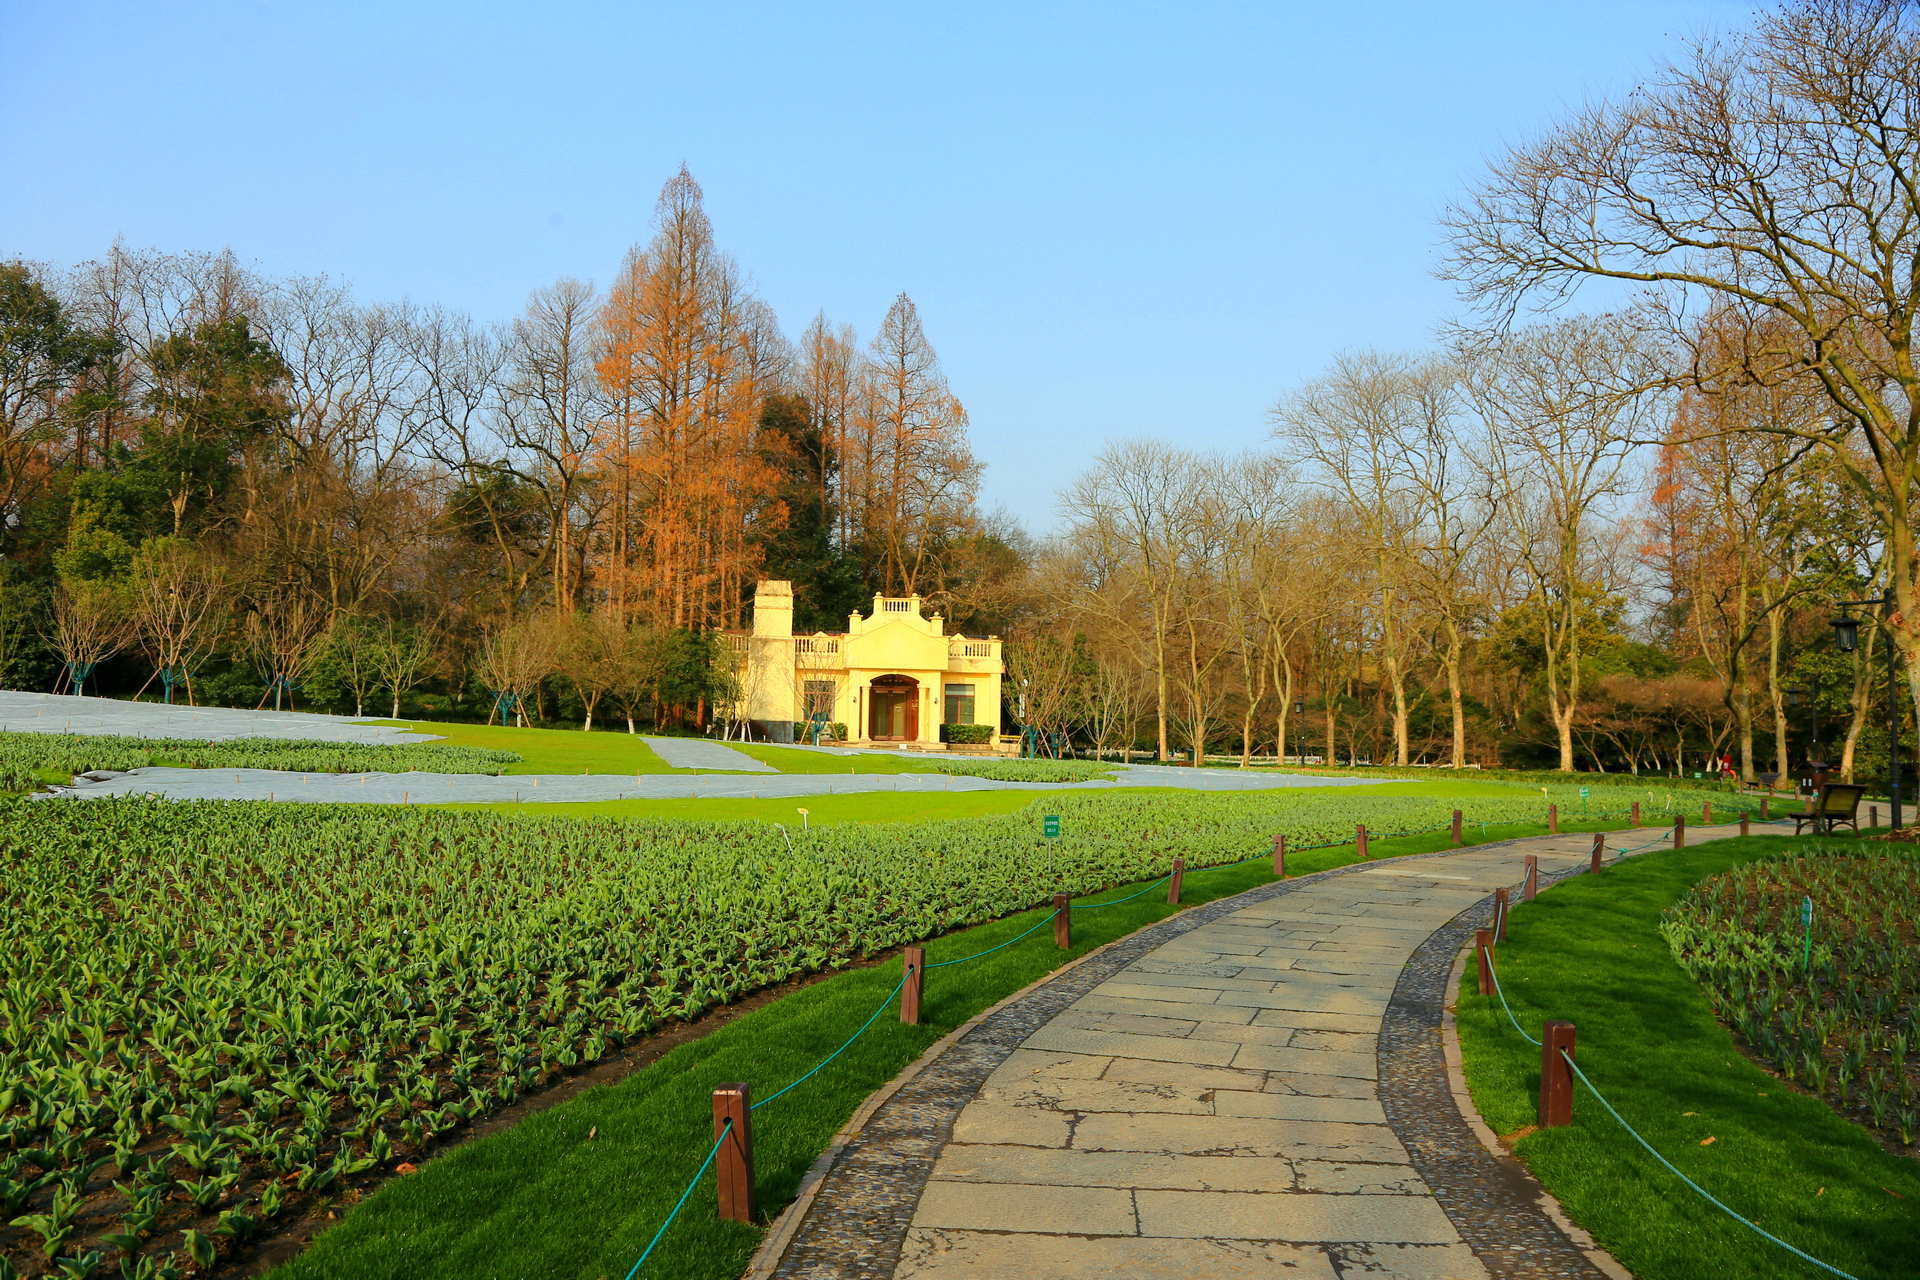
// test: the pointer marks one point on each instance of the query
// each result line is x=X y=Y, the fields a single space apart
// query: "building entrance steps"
x=1248 y=1090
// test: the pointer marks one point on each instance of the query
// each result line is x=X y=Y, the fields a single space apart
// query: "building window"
x=819 y=696
x=959 y=704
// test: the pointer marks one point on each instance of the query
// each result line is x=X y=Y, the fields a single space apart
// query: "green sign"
x=1583 y=793
x=1050 y=825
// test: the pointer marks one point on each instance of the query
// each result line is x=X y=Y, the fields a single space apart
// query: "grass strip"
x=579 y=1190
x=1590 y=951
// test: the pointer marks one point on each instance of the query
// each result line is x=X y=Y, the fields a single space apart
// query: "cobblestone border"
x=1492 y=1202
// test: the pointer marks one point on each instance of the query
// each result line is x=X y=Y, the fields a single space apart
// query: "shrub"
x=966 y=735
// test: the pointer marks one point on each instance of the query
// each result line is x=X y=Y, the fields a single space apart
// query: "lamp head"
x=1846 y=632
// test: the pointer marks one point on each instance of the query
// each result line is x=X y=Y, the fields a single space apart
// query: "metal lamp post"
x=1846 y=637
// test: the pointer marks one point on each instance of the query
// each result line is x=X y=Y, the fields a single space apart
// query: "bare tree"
x=1562 y=407
x=593 y=655
x=177 y=601
x=516 y=657
x=1774 y=173
x=351 y=642
x=401 y=655
x=284 y=635
x=90 y=625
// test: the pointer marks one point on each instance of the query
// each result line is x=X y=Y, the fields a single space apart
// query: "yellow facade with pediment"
x=892 y=678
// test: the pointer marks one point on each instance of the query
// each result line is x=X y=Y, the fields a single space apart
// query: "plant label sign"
x=1050 y=825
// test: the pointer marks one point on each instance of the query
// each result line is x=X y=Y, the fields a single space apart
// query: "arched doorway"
x=893 y=709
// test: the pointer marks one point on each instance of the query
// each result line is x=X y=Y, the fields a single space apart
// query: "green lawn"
x=548 y=750
x=1590 y=951
x=546 y=1200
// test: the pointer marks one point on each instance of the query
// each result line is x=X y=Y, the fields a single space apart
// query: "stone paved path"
x=1207 y=1103
x=699 y=753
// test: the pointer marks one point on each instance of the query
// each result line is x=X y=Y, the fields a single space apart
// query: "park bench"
x=1838 y=803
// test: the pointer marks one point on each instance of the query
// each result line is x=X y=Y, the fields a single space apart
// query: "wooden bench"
x=1838 y=804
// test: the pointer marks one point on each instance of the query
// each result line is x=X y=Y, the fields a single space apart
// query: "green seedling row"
x=1826 y=994
x=25 y=757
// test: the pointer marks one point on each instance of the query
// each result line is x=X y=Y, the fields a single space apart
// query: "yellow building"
x=893 y=678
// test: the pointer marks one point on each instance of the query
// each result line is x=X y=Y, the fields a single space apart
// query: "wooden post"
x=916 y=964
x=1763 y=807
x=1679 y=830
x=1500 y=914
x=1706 y=813
x=1599 y=847
x=1482 y=941
x=1062 y=922
x=1173 y=882
x=733 y=1167
x=1530 y=887
x=1280 y=857
x=1556 y=1077
x=1456 y=828
x=1743 y=822
x=1360 y=840
x=1553 y=819
x=1873 y=815
x=1636 y=813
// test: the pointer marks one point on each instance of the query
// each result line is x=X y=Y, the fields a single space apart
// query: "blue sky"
x=1116 y=220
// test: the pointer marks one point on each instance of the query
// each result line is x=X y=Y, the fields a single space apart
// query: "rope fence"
x=1561 y=1053
x=915 y=964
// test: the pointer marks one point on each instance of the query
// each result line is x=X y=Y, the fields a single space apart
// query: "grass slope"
x=545 y=1200
x=1590 y=951
x=548 y=750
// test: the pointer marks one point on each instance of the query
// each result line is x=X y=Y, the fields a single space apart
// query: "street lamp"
x=1846 y=637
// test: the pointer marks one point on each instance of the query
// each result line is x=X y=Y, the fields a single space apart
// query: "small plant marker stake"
x=1553 y=819
x=1531 y=885
x=1456 y=828
x=1280 y=857
x=1062 y=923
x=1599 y=847
x=1556 y=1077
x=1173 y=882
x=1806 y=918
x=915 y=959
x=1636 y=813
x=1500 y=914
x=1679 y=830
x=733 y=1167
x=1360 y=840
x=1482 y=942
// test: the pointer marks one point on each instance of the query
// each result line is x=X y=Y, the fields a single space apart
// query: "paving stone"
x=955 y=1255
x=1132 y=1023
x=1408 y=1262
x=1066 y=1066
x=1136 y=987
x=996 y=1206
x=1358 y=1177
x=1102 y=1095
x=1146 y=1071
x=1237 y=1136
x=968 y=1163
x=1317 y=1061
x=1302 y=1217
x=1293 y=1106
x=1318 y=1086
x=1162 y=1008
x=985 y=1121
x=1120 y=1044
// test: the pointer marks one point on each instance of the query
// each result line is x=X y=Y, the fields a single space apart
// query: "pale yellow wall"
x=887 y=641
